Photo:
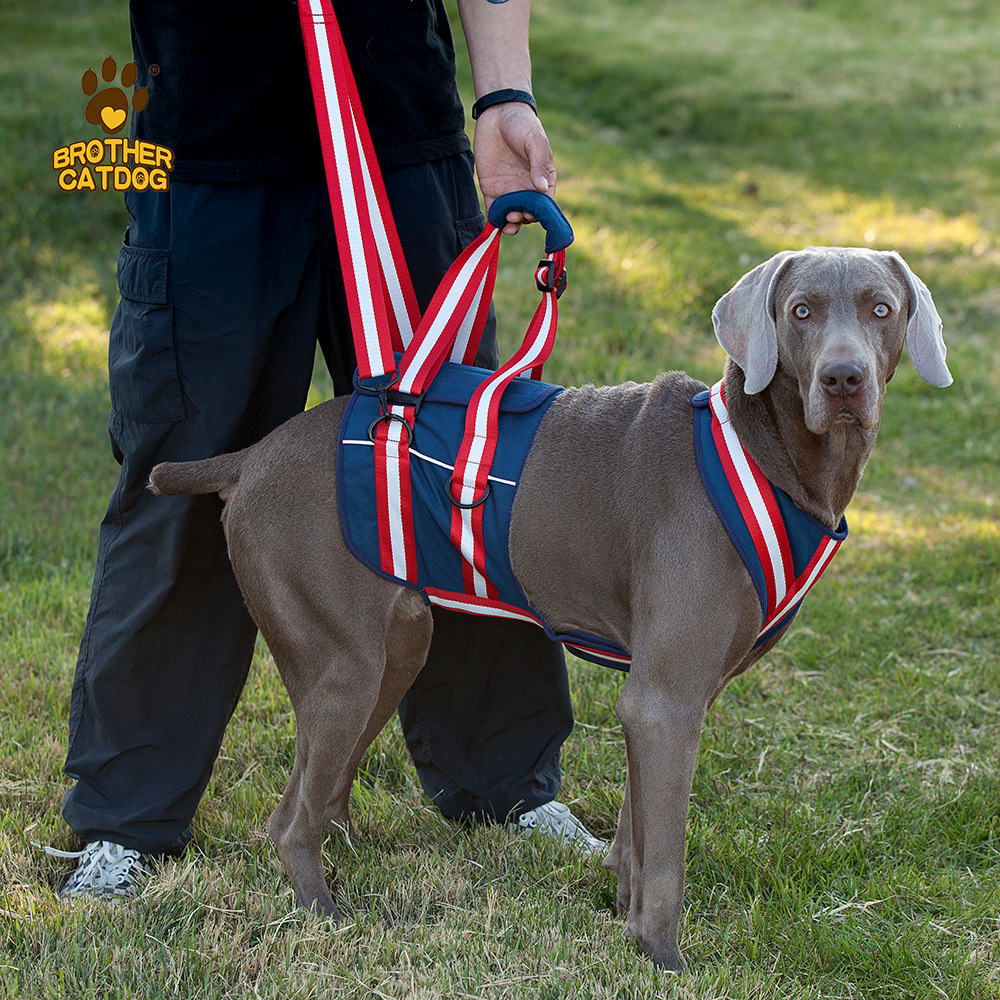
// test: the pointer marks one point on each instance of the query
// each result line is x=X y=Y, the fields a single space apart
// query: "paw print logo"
x=109 y=107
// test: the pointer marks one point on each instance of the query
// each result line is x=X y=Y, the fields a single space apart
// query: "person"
x=228 y=280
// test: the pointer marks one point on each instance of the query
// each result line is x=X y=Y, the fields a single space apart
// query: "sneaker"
x=553 y=819
x=105 y=870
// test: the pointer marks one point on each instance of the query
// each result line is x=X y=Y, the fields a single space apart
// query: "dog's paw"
x=109 y=107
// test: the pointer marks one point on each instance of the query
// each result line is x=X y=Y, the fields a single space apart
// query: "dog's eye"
x=881 y=310
x=801 y=311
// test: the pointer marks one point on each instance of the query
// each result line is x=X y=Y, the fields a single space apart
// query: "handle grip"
x=558 y=231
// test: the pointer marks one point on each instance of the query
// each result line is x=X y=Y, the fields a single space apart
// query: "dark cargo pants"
x=226 y=290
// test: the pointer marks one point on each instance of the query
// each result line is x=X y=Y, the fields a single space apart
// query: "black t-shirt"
x=229 y=90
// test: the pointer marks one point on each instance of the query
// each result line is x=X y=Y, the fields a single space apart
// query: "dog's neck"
x=820 y=472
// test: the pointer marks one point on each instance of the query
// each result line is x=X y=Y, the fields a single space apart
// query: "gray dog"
x=612 y=534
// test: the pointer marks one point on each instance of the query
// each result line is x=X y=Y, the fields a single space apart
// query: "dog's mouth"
x=845 y=415
x=842 y=412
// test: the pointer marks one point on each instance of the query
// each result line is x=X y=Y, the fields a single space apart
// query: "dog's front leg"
x=619 y=859
x=662 y=727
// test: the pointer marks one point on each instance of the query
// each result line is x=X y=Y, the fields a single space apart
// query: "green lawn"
x=844 y=836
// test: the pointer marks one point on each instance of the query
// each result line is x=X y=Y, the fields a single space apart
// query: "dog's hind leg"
x=408 y=637
x=344 y=674
x=330 y=714
x=332 y=663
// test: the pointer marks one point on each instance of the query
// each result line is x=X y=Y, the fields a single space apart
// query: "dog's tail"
x=212 y=475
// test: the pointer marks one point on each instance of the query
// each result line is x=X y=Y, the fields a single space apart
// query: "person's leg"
x=211 y=347
x=486 y=717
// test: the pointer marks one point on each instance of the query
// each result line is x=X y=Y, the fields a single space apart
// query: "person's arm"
x=511 y=148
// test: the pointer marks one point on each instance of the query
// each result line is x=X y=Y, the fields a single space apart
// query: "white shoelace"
x=53 y=853
x=104 y=867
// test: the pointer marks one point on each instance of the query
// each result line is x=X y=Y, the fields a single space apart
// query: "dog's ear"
x=924 y=338
x=745 y=323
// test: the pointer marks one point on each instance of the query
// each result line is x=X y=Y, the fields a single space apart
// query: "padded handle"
x=558 y=231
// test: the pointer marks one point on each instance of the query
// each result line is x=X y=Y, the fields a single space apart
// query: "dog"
x=612 y=533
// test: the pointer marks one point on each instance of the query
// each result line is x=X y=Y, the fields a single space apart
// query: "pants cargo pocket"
x=466 y=230
x=142 y=366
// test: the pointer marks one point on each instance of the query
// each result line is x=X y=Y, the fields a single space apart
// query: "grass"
x=844 y=837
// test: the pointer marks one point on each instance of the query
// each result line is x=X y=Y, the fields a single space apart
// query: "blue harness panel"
x=437 y=435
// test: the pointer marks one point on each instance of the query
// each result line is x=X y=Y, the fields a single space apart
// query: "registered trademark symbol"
x=154 y=70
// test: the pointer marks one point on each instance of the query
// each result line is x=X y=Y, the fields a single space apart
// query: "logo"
x=112 y=164
x=109 y=108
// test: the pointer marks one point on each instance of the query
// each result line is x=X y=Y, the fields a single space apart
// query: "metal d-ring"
x=467 y=506
x=389 y=417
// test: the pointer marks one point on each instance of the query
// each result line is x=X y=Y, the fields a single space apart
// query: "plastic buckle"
x=408 y=400
x=545 y=277
x=381 y=386
x=378 y=385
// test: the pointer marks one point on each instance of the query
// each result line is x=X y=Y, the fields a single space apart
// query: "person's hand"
x=512 y=154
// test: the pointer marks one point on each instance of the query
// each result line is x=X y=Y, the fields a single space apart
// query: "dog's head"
x=834 y=319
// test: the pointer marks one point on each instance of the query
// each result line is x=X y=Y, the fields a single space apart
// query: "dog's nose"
x=843 y=378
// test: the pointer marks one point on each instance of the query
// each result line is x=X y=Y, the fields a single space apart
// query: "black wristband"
x=502 y=97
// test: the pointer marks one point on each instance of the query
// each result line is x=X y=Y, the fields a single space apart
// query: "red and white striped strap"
x=382 y=304
x=452 y=325
x=383 y=307
x=801 y=586
x=759 y=509
x=470 y=482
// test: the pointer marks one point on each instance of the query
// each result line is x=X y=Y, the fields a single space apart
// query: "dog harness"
x=400 y=351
